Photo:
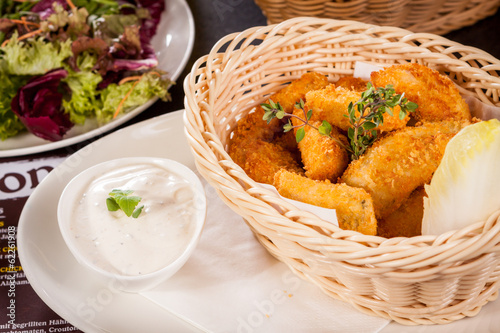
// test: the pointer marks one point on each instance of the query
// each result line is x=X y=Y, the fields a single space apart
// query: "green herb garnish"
x=371 y=108
x=120 y=199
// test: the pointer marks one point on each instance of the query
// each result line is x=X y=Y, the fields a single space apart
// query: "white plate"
x=77 y=295
x=173 y=44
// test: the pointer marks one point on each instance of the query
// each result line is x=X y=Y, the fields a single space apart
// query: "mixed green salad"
x=63 y=62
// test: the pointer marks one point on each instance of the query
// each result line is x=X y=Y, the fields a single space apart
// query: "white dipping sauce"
x=135 y=246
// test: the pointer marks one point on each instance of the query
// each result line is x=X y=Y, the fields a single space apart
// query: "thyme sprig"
x=372 y=106
x=362 y=134
x=275 y=110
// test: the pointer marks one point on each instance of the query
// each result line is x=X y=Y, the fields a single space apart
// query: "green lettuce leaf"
x=34 y=56
x=149 y=86
x=10 y=125
x=84 y=101
x=98 y=7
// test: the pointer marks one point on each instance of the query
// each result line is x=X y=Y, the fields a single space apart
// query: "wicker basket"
x=418 y=280
x=433 y=16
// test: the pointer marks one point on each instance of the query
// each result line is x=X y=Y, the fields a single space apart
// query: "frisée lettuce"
x=34 y=57
x=63 y=62
x=84 y=102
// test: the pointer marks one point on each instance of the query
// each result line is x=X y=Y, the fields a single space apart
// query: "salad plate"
x=94 y=306
x=173 y=44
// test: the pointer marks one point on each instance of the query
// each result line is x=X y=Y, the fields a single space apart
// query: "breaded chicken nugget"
x=288 y=141
x=331 y=104
x=261 y=148
x=353 y=206
x=323 y=158
x=406 y=221
x=352 y=83
x=253 y=123
x=396 y=164
x=297 y=90
x=261 y=160
x=253 y=126
x=436 y=95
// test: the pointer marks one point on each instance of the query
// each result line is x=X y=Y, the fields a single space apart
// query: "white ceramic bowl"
x=114 y=265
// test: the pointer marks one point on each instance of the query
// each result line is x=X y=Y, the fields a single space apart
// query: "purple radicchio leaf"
x=147 y=30
x=45 y=8
x=134 y=65
x=149 y=26
x=38 y=106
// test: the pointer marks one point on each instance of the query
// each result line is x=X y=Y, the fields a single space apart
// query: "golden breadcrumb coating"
x=323 y=158
x=253 y=123
x=253 y=126
x=352 y=83
x=353 y=206
x=297 y=90
x=406 y=221
x=261 y=160
x=436 y=95
x=261 y=148
x=331 y=104
x=287 y=140
x=399 y=162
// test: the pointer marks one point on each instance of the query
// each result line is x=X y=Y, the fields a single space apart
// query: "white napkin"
x=232 y=284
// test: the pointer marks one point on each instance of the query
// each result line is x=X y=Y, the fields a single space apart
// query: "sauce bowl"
x=134 y=221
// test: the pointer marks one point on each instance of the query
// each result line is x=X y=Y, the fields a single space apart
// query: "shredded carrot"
x=130 y=78
x=28 y=35
x=70 y=4
x=24 y=22
x=154 y=72
x=124 y=99
x=137 y=77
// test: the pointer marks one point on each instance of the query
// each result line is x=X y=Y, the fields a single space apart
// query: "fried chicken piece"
x=396 y=164
x=261 y=159
x=297 y=90
x=253 y=126
x=323 y=158
x=406 y=221
x=437 y=97
x=354 y=207
x=253 y=123
x=331 y=104
x=352 y=83
x=288 y=141
x=261 y=148
x=252 y=149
